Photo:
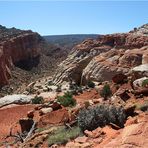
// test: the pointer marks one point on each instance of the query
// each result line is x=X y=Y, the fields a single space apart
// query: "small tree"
x=106 y=91
x=145 y=83
x=37 y=100
x=66 y=100
x=91 y=84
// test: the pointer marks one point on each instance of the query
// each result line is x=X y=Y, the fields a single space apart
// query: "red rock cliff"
x=99 y=59
x=16 y=46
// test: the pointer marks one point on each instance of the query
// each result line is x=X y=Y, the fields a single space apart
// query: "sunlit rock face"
x=17 y=48
x=100 y=59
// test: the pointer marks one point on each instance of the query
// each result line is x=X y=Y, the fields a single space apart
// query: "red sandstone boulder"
x=133 y=135
x=119 y=78
x=56 y=117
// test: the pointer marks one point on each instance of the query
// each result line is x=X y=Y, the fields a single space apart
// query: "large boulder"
x=138 y=83
x=15 y=99
x=46 y=110
x=140 y=71
x=119 y=78
x=134 y=135
x=60 y=116
x=141 y=68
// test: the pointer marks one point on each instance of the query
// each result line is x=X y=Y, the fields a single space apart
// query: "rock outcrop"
x=15 y=99
x=131 y=132
x=17 y=48
x=101 y=59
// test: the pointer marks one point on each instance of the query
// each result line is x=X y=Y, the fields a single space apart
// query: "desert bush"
x=37 y=100
x=99 y=116
x=143 y=106
x=63 y=135
x=91 y=84
x=66 y=100
x=145 y=83
x=76 y=90
x=106 y=91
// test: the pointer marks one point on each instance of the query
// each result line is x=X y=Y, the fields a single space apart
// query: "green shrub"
x=66 y=100
x=99 y=116
x=37 y=100
x=145 y=83
x=63 y=135
x=106 y=91
x=91 y=84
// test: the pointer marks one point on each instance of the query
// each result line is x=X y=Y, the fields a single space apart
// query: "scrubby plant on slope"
x=145 y=83
x=106 y=91
x=63 y=135
x=37 y=100
x=75 y=89
x=101 y=115
x=143 y=106
x=66 y=100
x=91 y=84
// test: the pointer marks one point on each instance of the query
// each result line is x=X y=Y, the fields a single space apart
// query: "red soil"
x=10 y=116
x=87 y=95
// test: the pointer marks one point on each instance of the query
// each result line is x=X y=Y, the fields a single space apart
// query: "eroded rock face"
x=17 y=48
x=101 y=59
x=130 y=133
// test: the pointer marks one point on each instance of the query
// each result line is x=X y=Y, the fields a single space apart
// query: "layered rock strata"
x=100 y=59
x=17 y=48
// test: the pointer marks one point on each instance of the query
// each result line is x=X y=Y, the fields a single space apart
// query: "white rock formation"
x=15 y=99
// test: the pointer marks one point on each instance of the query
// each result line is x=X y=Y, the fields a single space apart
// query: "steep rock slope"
x=17 y=48
x=99 y=59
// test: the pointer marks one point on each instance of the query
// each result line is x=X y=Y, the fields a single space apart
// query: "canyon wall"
x=17 y=48
x=100 y=59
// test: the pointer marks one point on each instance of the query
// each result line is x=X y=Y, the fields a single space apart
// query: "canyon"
x=92 y=94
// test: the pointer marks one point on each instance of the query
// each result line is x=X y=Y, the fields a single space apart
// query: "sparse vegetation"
x=100 y=115
x=66 y=100
x=91 y=84
x=40 y=129
x=37 y=100
x=75 y=89
x=30 y=90
x=63 y=135
x=106 y=91
x=58 y=88
x=145 y=83
x=143 y=106
x=87 y=104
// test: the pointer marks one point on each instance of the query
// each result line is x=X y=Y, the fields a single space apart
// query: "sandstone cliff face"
x=104 y=57
x=16 y=46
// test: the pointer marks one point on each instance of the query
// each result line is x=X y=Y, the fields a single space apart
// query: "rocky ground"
x=51 y=115
x=98 y=97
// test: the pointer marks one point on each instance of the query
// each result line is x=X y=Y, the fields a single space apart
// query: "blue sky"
x=85 y=17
